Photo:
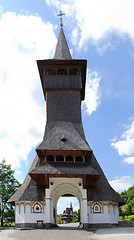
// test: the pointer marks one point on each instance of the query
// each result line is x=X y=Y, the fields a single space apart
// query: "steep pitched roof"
x=62 y=50
x=28 y=190
x=64 y=136
x=103 y=191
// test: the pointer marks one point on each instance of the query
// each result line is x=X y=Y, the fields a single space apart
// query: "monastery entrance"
x=66 y=187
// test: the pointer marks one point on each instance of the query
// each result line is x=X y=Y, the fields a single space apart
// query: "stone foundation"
x=34 y=225
x=85 y=225
x=102 y=225
x=49 y=225
x=126 y=224
x=111 y=225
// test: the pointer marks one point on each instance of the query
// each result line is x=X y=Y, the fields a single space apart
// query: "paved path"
x=42 y=234
x=115 y=234
x=67 y=232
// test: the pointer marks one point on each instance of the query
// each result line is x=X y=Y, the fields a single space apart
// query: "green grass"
x=7 y=225
x=127 y=218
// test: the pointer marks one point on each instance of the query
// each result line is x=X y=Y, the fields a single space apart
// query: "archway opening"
x=68 y=210
x=63 y=189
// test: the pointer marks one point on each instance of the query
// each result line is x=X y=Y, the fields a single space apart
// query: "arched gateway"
x=71 y=187
x=65 y=164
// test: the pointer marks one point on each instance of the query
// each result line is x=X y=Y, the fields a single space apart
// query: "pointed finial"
x=60 y=15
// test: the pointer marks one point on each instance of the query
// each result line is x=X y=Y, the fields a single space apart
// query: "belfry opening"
x=65 y=163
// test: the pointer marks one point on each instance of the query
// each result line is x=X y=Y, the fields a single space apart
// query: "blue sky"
x=101 y=32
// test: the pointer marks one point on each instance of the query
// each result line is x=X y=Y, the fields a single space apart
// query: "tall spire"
x=62 y=51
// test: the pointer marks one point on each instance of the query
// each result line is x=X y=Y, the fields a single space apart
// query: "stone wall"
x=126 y=224
x=34 y=225
x=110 y=225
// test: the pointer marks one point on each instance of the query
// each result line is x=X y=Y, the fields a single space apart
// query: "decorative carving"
x=97 y=207
x=36 y=207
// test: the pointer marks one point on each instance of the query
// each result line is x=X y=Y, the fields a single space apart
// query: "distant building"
x=67 y=215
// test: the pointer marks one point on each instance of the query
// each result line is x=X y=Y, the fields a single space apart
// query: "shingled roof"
x=103 y=191
x=66 y=130
x=28 y=190
x=64 y=168
x=62 y=50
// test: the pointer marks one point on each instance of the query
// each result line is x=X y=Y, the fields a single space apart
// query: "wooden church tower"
x=65 y=163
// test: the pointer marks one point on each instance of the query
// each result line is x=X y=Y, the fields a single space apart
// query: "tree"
x=78 y=215
x=8 y=185
x=59 y=219
x=128 y=197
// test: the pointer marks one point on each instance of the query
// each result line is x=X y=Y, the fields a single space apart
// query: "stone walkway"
x=68 y=232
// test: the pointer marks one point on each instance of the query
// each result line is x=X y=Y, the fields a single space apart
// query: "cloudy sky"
x=101 y=31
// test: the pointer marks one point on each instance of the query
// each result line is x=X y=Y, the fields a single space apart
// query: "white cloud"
x=74 y=37
x=92 y=95
x=125 y=146
x=129 y=160
x=17 y=172
x=96 y=18
x=24 y=39
x=122 y=183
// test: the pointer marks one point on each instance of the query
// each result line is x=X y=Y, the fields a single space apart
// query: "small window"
x=74 y=71
x=97 y=208
x=63 y=139
x=50 y=158
x=62 y=72
x=59 y=158
x=50 y=72
x=69 y=159
x=79 y=159
x=37 y=208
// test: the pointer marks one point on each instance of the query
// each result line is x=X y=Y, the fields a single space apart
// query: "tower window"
x=74 y=71
x=50 y=158
x=50 y=72
x=59 y=158
x=69 y=159
x=79 y=159
x=62 y=71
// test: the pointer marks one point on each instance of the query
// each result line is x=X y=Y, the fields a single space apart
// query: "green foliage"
x=8 y=186
x=9 y=212
x=128 y=197
x=59 y=219
x=74 y=219
x=127 y=218
x=78 y=215
x=7 y=225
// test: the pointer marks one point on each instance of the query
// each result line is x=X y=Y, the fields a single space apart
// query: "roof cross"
x=60 y=15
